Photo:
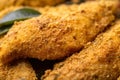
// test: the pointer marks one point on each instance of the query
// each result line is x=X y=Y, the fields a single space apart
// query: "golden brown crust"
x=54 y=37
x=99 y=61
x=18 y=70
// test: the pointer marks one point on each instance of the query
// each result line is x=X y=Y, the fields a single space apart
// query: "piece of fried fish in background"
x=45 y=9
x=118 y=78
x=100 y=60
x=56 y=10
x=18 y=70
x=33 y=3
x=54 y=37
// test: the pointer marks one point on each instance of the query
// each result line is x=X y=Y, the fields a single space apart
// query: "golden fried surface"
x=54 y=37
x=99 y=61
x=19 y=70
x=35 y=3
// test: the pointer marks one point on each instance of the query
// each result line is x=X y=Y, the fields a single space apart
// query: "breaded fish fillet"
x=34 y=3
x=54 y=37
x=99 y=61
x=19 y=70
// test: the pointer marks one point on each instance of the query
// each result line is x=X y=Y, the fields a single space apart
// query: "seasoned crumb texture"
x=54 y=37
x=98 y=61
x=18 y=70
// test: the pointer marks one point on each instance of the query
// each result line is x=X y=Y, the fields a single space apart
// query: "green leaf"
x=4 y=30
x=18 y=15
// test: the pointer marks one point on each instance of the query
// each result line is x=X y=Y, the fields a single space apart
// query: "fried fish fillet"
x=54 y=37
x=100 y=60
x=34 y=3
x=19 y=70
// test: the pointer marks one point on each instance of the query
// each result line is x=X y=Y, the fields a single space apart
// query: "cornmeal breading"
x=18 y=70
x=98 y=61
x=54 y=37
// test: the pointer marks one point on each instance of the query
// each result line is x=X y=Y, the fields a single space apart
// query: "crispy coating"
x=34 y=3
x=100 y=60
x=54 y=37
x=18 y=70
